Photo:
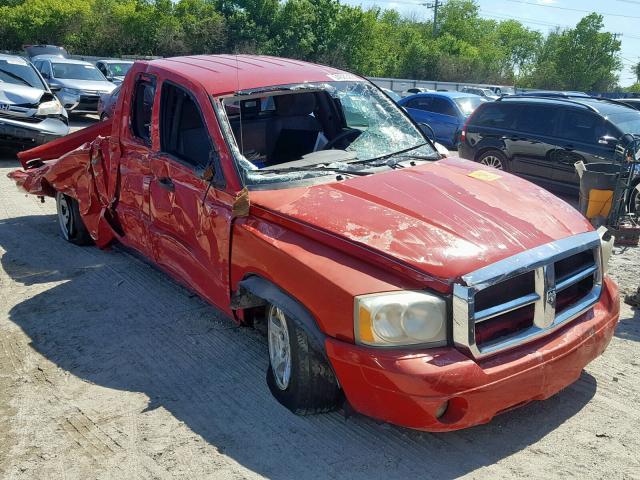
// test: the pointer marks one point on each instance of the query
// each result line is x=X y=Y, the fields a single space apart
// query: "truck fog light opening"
x=452 y=411
x=442 y=409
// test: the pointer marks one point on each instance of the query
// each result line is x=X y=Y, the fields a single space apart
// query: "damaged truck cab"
x=430 y=293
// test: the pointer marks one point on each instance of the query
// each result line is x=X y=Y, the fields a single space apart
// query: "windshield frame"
x=309 y=177
x=85 y=66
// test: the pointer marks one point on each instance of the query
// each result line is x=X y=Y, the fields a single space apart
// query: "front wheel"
x=70 y=222
x=493 y=158
x=299 y=376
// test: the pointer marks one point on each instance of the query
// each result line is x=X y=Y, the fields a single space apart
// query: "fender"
x=256 y=291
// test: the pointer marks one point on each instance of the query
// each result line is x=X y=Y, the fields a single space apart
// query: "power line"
x=572 y=9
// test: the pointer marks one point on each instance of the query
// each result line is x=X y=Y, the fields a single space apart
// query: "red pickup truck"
x=430 y=293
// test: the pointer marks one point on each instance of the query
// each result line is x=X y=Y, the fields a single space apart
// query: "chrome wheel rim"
x=279 y=348
x=64 y=214
x=492 y=161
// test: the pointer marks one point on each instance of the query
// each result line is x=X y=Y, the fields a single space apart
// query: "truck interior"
x=310 y=124
x=275 y=129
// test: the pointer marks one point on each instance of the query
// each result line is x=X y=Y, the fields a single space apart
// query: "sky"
x=620 y=16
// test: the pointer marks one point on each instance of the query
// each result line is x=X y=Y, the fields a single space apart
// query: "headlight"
x=400 y=318
x=70 y=91
x=51 y=107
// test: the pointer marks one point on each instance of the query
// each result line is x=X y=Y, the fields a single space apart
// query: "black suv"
x=540 y=138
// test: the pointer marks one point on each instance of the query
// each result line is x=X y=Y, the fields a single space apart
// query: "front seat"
x=296 y=128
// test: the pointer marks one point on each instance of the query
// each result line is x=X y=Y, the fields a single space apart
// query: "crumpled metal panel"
x=79 y=174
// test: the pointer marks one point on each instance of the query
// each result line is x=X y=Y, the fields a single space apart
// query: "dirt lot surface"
x=108 y=369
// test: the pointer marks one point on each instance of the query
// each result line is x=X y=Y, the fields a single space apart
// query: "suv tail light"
x=463 y=133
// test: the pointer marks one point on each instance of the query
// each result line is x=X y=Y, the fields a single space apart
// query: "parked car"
x=500 y=91
x=445 y=112
x=107 y=103
x=541 y=138
x=415 y=90
x=77 y=84
x=481 y=92
x=631 y=102
x=114 y=70
x=29 y=112
x=49 y=50
x=432 y=294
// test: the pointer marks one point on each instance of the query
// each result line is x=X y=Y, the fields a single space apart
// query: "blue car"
x=444 y=112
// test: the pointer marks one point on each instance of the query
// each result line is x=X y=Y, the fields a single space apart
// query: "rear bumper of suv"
x=15 y=132
x=411 y=389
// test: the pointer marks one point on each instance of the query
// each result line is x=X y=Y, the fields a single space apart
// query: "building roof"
x=222 y=74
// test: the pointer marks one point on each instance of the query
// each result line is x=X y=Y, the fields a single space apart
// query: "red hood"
x=435 y=217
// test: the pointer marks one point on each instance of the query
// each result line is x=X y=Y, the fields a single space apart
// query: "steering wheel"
x=352 y=132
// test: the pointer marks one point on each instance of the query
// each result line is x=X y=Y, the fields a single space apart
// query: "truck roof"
x=221 y=74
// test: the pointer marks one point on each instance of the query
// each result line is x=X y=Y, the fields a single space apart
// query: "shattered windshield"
x=303 y=131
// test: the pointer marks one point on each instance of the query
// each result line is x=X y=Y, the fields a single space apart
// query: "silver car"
x=77 y=84
x=114 y=70
x=30 y=114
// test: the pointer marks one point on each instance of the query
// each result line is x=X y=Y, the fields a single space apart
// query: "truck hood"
x=445 y=219
x=20 y=94
x=101 y=86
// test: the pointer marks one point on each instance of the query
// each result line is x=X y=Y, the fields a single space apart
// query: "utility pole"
x=434 y=5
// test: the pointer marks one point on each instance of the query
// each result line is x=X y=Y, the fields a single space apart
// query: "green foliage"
x=467 y=48
x=583 y=58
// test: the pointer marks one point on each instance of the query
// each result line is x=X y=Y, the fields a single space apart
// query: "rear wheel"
x=70 y=222
x=299 y=376
x=493 y=158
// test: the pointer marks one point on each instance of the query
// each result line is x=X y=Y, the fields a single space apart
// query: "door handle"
x=166 y=183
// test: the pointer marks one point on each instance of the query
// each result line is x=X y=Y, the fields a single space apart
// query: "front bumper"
x=80 y=103
x=15 y=132
x=407 y=387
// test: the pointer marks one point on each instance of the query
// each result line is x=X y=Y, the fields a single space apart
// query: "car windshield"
x=20 y=72
x=77 y=71
x=469 y=104
x=342 y=125
x=119 y=69
x=626 y=122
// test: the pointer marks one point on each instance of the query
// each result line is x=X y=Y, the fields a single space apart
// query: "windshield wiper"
x=389 y=155
x=316 y=168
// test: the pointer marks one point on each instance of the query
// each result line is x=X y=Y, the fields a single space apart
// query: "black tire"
x=312 y=387
x=72 y=227
x=494 y=158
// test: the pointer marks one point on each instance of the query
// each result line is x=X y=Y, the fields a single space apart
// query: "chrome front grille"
x=528 y=295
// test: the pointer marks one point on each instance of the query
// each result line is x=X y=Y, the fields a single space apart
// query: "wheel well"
x=255 y=293
x=483 y=150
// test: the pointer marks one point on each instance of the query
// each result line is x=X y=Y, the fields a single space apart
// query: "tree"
x=582 y=58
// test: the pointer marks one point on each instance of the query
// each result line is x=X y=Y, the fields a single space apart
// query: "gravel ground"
x=108 y=369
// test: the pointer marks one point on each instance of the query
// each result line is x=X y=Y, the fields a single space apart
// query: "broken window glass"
x=304 y=131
